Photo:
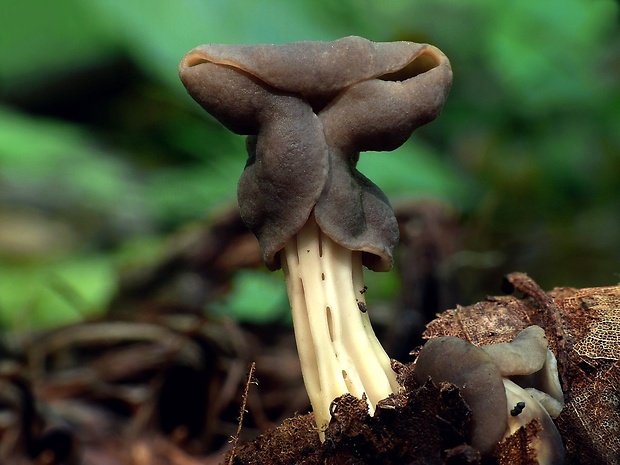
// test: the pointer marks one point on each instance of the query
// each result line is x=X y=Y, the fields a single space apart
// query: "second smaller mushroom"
x=506 y=385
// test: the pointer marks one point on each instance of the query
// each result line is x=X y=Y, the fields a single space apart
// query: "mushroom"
x=498 y=404
x=309 y=109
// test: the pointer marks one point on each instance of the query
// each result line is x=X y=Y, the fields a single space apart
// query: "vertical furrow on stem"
x=301 y=324
x=319 y=313
x=336 y=288
x=380 y=354
x=336 y=278
x=355 y=337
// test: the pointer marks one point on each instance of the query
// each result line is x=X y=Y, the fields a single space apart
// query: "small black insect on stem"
x=362 y=306
x=517 y=409
x=363 y=290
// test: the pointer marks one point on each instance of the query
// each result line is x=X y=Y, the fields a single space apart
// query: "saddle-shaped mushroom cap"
x=309 y=109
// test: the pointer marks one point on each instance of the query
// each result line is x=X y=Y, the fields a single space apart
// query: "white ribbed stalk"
x=338 y=349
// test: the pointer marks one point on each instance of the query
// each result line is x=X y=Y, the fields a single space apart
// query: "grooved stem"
x=338 y=349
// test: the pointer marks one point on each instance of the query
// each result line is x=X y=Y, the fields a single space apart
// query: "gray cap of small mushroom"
x=309 y=109
x=527 y=361
x=484 y=375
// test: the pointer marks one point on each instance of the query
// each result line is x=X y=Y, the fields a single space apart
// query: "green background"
x=103 y=155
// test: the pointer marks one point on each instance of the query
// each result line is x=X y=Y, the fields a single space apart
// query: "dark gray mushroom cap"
x=309 y=109
x=473 y=371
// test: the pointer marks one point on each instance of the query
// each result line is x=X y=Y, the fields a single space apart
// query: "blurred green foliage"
x=102 y=153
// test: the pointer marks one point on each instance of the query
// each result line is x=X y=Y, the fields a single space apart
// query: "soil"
x=423 y=424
